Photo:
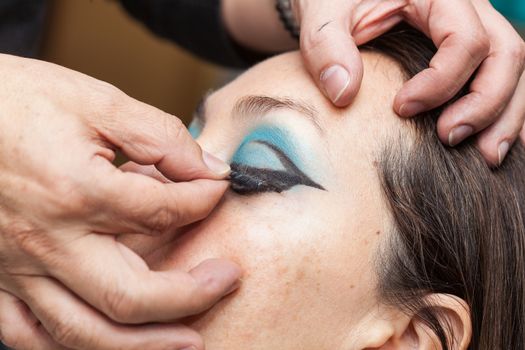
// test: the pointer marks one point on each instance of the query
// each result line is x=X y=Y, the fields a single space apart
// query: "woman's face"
x=308 y=252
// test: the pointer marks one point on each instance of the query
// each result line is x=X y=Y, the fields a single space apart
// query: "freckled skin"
x=307 y=254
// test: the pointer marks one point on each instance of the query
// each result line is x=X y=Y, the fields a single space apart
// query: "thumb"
x=329 y=51
x=149 y=136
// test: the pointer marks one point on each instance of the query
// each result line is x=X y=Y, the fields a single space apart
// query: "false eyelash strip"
x=246 y=180
x=249 y=180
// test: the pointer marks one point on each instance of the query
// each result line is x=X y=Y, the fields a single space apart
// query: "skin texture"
x=59 y=130
x=63 y=202
x=307 y=254
x=474 y=40
x=55 y=163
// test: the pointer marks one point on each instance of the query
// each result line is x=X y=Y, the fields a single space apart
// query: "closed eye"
x=246 y=179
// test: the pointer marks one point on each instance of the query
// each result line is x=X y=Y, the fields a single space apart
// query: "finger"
x=148 y=136
x=74 y=324
x=495 y=141
x=131 y=202
x=19 y=327
x=328 y=50
x=148 y=170
x=373 y=18
x=490 y=91
x=116 y=281
x=462 y=43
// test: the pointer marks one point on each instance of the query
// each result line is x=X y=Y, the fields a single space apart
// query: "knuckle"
x=108 y=99
x=446 y=86
x=451 y=88
x=121 y=304
x=162 y=220
x=65 y=329
x=492 y=105
x=517 y=53
x=312 y=40
x=491 y=113
x=484 y=109
x=70 y=198
x=108 y=93
x=173 y=127
x=26 y=238
x=478 y=45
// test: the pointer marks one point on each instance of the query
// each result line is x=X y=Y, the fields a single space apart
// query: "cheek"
x=300 y=286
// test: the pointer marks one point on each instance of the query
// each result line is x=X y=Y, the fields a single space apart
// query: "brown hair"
x=458 y=225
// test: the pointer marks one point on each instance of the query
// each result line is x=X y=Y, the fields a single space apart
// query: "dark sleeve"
x=195 y=25
x=21 y=26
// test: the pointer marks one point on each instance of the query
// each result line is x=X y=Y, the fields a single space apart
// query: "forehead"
x=285 y=76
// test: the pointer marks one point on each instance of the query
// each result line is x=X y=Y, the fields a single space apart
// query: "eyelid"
x=246 y=179
x=276 y=136
x=258 y=155
x=285 y=160
x=292 y=168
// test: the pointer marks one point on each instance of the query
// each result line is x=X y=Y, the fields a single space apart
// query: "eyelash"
x=247 y=180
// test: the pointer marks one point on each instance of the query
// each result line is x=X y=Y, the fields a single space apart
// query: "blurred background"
x=99 y=38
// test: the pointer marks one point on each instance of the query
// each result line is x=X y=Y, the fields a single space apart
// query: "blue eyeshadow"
x=195 y=128
x=255 y=154
x=266 y=162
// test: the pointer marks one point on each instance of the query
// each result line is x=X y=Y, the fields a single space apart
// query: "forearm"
x=255 y=25
x=193 y=25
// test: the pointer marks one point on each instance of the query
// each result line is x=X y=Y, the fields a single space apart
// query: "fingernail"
x=215 y=164
x=503 y=149
x=335 y=80
x=189 y=348
x=410 y=109
x=458 y=134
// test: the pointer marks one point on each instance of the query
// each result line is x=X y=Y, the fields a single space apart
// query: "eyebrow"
x=254 y=106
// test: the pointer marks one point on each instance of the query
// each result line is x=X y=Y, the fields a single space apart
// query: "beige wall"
x=98 y=38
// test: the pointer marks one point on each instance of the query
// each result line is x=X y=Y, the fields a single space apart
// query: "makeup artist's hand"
x=472 y=38
x=62 y=201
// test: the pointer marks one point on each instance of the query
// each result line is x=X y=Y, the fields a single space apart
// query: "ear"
x=454 y=315
x=395 y=330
